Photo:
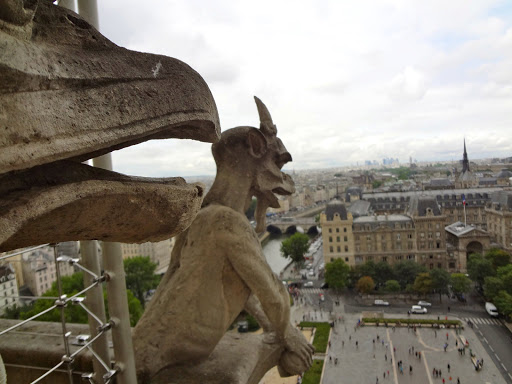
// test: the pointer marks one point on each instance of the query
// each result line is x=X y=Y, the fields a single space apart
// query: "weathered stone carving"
x=218 y=269
x=67 y=94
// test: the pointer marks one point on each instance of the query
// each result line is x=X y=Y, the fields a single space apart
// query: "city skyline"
x=343 y=82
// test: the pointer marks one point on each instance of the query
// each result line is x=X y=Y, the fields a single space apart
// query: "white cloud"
x=344 y=81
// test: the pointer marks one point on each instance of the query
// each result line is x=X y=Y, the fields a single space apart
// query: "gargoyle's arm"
x=254 y=308
x=244 y=252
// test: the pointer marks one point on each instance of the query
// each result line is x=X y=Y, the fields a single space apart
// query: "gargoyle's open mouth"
x=67 y=95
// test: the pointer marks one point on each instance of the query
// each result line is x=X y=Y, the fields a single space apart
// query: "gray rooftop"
x=336 y=206
x=359 y=208
x=382 y=218
x=458 y=228
x=419 y=205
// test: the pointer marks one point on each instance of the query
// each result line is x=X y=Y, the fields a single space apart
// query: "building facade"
x=8 y=288
x=499 y=219
x=39 y=270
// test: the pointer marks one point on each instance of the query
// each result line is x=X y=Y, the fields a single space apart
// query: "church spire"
x=465 y=161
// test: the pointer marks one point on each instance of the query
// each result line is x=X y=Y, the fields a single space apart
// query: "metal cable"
x=23 y=251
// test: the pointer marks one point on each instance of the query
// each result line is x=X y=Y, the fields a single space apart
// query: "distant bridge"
x=291 y=225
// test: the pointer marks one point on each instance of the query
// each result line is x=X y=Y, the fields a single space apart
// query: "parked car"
x=380 y=302
x=308 y=284
x=491 y=309
x=424 y=303
x=311 y=273
x=418 y=309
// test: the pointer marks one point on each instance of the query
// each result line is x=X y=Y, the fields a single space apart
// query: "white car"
x=380 y=302
x=308 y=284
x=424 y=303
x=418 y=309
x=311 y=273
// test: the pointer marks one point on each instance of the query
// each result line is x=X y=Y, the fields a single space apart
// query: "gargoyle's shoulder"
x=222 y=217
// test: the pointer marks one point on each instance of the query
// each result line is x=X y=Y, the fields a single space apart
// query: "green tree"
x=383 y=272
x=440 y=281
x=498 y=257
x=392 y=286
x=406 y=272
x=365 y=284
x=367 y=269
x=423 y=283
x=479 y=268
x=295 y=247
x=134 y=307
x=376 y=184
x=336 y=274
x=250 y=211
x=460 y=283
x=140 y=276
x=505 y=275
x=492 y=287
x=503 y=302
x=71 y=285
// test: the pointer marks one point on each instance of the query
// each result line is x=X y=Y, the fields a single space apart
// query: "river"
x=272 y=252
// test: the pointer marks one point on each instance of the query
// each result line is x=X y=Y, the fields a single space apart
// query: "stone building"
x=39 y=271
x=465 y=240
x=8 y=288
x=499 y=219
x=338 y=239
x=159 y=253
x=466 y=179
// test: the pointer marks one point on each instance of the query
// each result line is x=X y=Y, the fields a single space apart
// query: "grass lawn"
x=313 y=375
x=321 y=336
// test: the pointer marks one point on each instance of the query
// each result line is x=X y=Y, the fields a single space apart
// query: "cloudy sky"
x=345 y=81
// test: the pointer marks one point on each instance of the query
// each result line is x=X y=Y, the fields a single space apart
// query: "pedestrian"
x=456 y=343
x=419 y=355
x=401 y=370
x=382 y=342
x=394 y=349
x=458 y=380
x=342 y=343
x=384 y=374
x=446 y=335
x=410 y=369
x=386 y=357
x=388 y=373
x=330 y=359
x=433 y=372
x=448 y=367
x=448 y=308
x=350 y=337
x=329 y=344
x=336 y=361
x=440 y=373
x=377 y=381
x=416 y=354
x=443 y=380
x=482 y=361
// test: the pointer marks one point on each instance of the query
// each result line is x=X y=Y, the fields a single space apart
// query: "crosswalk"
x=312 y=290
x=483 y=321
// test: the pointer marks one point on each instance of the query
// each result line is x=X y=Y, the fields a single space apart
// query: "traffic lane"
x=497 y=340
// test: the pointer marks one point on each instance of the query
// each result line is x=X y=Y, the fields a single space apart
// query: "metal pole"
x=118 y=307
x=61 y=305
x=95 y=303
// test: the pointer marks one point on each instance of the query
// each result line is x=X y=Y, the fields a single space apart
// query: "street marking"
x=486 y=340
x=490 y=347
x=505 y=368
x=497 y=357
x=392 y=355
x=481 y=334
x=427 y=367
x=509 y=375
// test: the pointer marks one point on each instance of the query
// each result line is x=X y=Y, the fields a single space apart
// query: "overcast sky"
x=345 y=81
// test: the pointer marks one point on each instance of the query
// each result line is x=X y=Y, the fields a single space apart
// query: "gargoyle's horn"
x=266 y=123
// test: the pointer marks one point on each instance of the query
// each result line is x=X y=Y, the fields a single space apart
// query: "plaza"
x=379 y=349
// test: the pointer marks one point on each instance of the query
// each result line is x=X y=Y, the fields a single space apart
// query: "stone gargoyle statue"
x=218 y=269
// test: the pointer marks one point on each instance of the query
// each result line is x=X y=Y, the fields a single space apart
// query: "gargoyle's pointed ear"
x=257 y=143
x=266 y=124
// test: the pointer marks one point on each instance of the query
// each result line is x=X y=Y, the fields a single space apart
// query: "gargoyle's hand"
x=298 y=355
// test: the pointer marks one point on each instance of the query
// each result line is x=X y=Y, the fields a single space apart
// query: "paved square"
x=379 y=350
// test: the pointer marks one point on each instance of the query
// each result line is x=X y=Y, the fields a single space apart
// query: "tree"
x=295 y=247
x=440 y=281
x=504 y=303
x=336 y=274
x=406 y=272
x=366 y=269
x=392 y=286
x=250 y=211
x=479 y=268
x=140 y=276
x=423 y=283
x=365 y=284
x=498 y=257
x=71 y=285
x=376 y=184
x=492 y=287
x=383 y=272
x=460 y=283
x=505 y=275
